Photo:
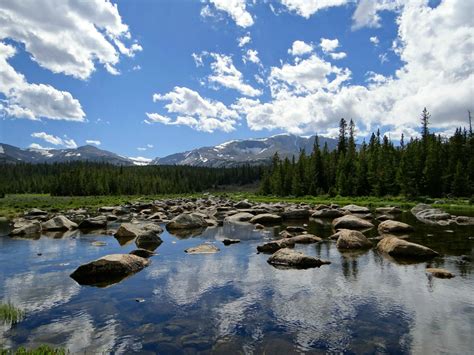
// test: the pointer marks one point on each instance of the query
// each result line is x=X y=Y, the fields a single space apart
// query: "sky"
x=149 y=78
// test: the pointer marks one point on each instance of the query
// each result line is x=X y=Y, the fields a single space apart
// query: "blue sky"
x=98 y=70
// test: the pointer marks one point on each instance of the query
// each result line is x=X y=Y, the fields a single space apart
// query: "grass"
x=13 y=205
x=41 y=350
x=10 y=314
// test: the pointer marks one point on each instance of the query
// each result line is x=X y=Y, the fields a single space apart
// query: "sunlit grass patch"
x=10 y=314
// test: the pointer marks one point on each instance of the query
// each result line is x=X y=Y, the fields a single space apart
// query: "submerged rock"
x=187 y=221
x=351 y=222
x=401 y=248
x=230 y=241
x=203 y=249
x=395 y=227
x=440 y=273
x=266 y=218
x=274 y=245
x=427 y=214
x=58 y=223
x=351 y=239
x=109 y=269
x=290 y=258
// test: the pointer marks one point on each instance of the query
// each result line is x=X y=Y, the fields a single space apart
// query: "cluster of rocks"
x=430 y=215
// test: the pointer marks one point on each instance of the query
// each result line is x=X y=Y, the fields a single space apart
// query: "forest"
x=431 y=165
x=94 y=179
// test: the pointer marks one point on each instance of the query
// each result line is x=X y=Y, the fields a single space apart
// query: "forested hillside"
x=427 y=166
x=84 y=179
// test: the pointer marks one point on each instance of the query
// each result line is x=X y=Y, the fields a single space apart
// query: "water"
x=235 y=302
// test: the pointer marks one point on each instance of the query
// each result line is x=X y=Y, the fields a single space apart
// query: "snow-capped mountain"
x=251 y=151
x=11 y=154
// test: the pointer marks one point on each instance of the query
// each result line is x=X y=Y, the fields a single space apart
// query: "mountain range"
x=232 y=153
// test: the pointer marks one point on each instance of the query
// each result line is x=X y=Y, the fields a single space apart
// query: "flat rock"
x=355 y=209
x=351 y=239
x=203 y=249
x=109 y=269
x=351 y=222
x=36 y=212
x=396 y=247
x=394 y=227
x=187 y=221
x=328 y=213
x=298 y=213
x=290 y=258
x=239 y=217
x=427 y=214
x=58 y=223
x=306 y=239
x=274 y=245
x=266 y=218
x=388 y=210
x=440 y=273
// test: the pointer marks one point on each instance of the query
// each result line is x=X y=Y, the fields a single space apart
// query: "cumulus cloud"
x=306 y=8
x=329 y=45
x=242 y=41
x=93 y=141
x=236 y=9
x=367 y=12
x=374 y=40
x=435 y=46
x=300 y=48
x=251 y=56
x=55 y=140
x=191 y=109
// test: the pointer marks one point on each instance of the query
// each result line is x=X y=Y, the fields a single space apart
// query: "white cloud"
x=306 y=8
x=93 y=141
x=197 y=57
x=148 y=146
x=244 y=40
x=435 y=46
x=329 y=45
x=338 y=55
x=366 y=13
x=38 y=146
x=55 y=140
x=251 y=56
x=374 y=40
x=190 y=109
x=136 y=67
x=225 y=74
x=300 y=48
x=236 y=9
x=140 y=160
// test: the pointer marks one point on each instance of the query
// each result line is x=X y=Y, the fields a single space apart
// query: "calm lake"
x=235 y=302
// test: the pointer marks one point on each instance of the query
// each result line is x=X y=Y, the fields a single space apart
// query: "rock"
x=464 y=220
x=93 y=223
x=149 y=241
x=109 y=269
x=36 y=212
x=351 y=239
x=306 y=239
x=388 y=210
x=351 y=222
x=383 y=217
x=239 y=217
x=203 y=249
x=259 y=226
x=266 y=218
x=230 y=241
x=290 y=258
x=328 y=213
x=26 y=228
x=58 y=223
x=427 y=214
x=440 y=273
x=187 y=221
x=243 y=204
x=299 y=213
x=401 y=248
x=390 y=226
x=143 y=253
x=274 y=245
x=296 y=229
x=131 y=230
x=355 y=209
x=106 y=209
x=285 y=234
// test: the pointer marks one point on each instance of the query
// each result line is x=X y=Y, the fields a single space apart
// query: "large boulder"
x=355 y=209
x=203 y=249
x=274 y=245
x=401 y=248
x=394 y=227
x=93 y=223
x=109 y=269
x=58 y=223
x=266 y=218
x=187 y=221
x=290 y=258
x=239 y=217
x=26 y=228
x=297 y=213
x=351 y=222
x=351 y=239
x=328 y=213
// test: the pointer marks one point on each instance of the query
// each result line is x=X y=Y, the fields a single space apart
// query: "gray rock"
x=239 y=217
x=94 y=223
x=355 y=209
x=26 y=228
x=388 y=210
x=427 y=214
x=36 y=212
x=296 y=229
x=290 y=258
x=58 y=223
x=306 y=239
x=328 y=213
x=298 y=213
x=243 y=204
x=143 y=253
x=351 y=222
x=187 y=221
x=395 y=227
x=203 y=249
x=274 y=245
x=266 y=218
x=401 y=248
x=109 y=269
x=351 y=239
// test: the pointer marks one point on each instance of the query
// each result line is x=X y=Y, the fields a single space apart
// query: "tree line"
x=430 y=165
x=94 y=179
